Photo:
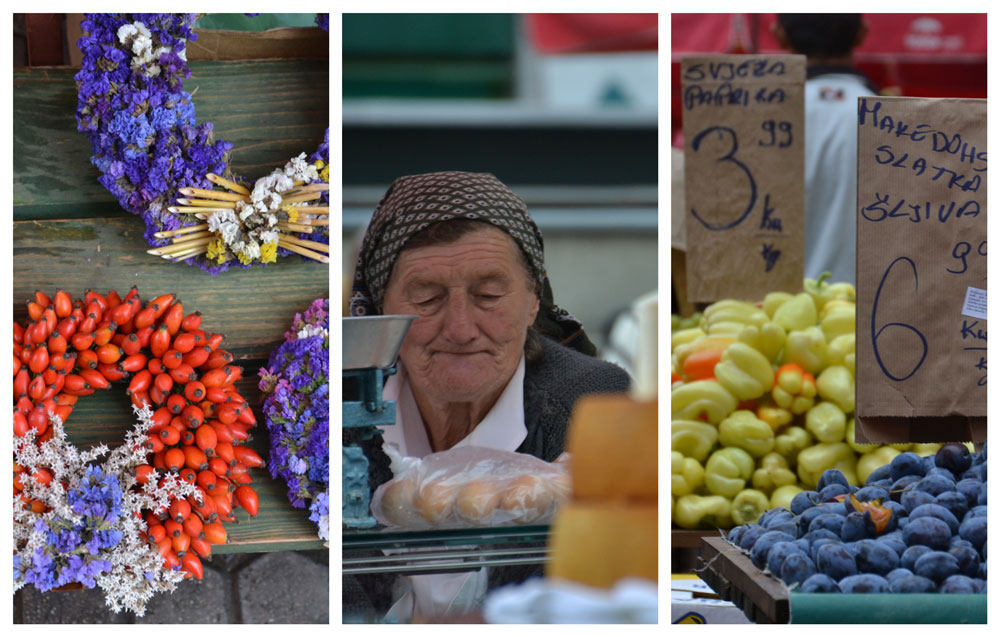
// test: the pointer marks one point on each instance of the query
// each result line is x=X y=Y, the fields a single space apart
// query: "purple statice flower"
x=70 y=549
x=295 y=384
x=323 y=21
x=141 y=123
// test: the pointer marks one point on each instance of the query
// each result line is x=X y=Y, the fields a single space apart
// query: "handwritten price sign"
x=921 y=313
x=744 y=131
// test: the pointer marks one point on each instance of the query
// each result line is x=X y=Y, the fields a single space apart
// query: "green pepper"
x=873 y=460
x=772 y=472
x=813 y=461
x=693 y=438
x=686 y=474
x=807 y=348
x=836 y=384
x=790 y=442
x=744 y=430
x=749 y=505
x=782 y=496
x=727 y=471
x=744 y=371
x=823 y=292
x=827 y=422
x=768 y=339
x=690 y=401
x=796 y=314
x=705 y=511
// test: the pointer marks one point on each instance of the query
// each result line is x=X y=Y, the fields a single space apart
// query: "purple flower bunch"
x=323 y=21
x=140 y=121
x=297 y=411
x=72 y=549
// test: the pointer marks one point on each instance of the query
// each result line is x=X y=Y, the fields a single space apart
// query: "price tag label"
x=744 y=183
x=921 y=312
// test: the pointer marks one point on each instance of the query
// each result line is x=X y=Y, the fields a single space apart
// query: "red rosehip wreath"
x=186 y=471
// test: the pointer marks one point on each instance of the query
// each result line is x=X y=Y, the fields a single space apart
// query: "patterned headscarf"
x=415 y=202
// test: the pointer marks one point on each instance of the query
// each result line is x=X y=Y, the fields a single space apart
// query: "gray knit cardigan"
x=552 y=385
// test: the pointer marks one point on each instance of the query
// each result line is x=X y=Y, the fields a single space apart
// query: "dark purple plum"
x=864 y=583
x=906 y=464
x=958 y=584
x=750 y=536
x=871 y=493
x=897 y=573
x=899 y=486
x=970 y=489
x=735 y=533
x=913 y=584
x=797 y=568
x=894 y=541
x=968 y=559
x=927 y=530
x=758 y=553
x=831 y=476
x=937 y=511
x=912 y=498
x=819 y=583
x=909 y=557
x=775 y=516
x=802 y=501
x=974 y=530
x=879 y=474
x=855 y=528
x=829 y=521
x=935 y=484
x=936 y=565
x=954 y=457
x=876 y=557
x=836 y=561
x=831 y=491
x=777 y=555
x=955 y=502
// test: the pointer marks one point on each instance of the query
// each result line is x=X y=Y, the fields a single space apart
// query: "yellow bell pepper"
x=852 y=442
x=703 y=344
x=768 y=339
x=813 y=461
x=685 y=336
x=772 y=472
x=836 y=384
x=790 y=442
x=783 y=496
x=744 y=430
x=807 y=348
x=749 y=505
x=901 y=446
x=823 y=292
x=837 y=319
x=732 y=311
x=705 y=511
x=702 y=397
x=796 y=314
x=826 y=422
x=693 y=438
x=686 y=474
x=841 y=351
x=727 y=471
x=774 y=416
x=794 y=388
x=774 y=300
x=872 y=461
x=926 y=449
x=744 y=371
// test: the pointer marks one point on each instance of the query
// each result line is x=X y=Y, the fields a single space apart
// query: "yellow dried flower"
x=217 y=251
x=269 y=252
x=244 y=258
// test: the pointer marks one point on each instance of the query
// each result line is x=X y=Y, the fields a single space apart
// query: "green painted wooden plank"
x=270 y=110
x=253 y=308
x=262 y=22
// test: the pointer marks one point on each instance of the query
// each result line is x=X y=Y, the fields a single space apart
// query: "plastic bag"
x=470 y=487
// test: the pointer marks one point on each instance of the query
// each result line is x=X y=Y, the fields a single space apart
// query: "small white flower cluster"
x=312 y=330
x=137 y=37
x=253 y=224
x=137 y=571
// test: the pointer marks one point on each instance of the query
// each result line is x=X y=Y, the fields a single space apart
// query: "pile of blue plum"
x=917 y=526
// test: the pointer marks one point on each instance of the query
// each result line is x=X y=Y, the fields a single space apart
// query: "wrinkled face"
x=474 y=302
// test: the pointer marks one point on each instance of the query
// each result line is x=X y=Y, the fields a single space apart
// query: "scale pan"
x=373 y=341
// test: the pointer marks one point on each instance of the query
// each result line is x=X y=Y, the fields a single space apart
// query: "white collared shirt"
x=502 y=428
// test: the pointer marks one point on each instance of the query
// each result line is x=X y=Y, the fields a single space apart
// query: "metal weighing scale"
x=370 y=347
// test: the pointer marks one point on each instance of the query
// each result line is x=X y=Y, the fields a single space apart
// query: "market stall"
x=811 y=434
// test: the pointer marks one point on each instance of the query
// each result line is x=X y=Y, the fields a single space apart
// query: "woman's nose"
x=459 y=323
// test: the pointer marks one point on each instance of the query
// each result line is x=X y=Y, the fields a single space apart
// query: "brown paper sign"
x=744 y=188
x=921 y=270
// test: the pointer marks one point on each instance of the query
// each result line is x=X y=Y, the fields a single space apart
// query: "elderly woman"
x=490 y=360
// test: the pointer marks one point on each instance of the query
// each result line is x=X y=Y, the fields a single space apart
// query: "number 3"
x=731 y=159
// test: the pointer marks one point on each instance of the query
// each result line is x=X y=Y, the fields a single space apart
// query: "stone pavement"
x=289 y=587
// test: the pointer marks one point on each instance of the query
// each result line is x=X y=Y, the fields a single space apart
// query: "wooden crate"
x=70 y=233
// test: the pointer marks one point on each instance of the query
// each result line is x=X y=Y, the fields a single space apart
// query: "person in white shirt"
x=833 y=86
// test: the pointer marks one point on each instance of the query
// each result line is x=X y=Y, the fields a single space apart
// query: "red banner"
x=592 y=32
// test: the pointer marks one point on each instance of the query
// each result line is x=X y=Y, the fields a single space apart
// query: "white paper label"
x=975 y=303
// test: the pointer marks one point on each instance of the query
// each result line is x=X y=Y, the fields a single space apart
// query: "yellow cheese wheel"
x=612 y=443
x=597 y=544
x=478 y=500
